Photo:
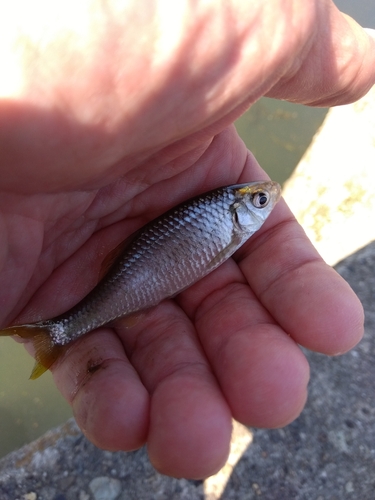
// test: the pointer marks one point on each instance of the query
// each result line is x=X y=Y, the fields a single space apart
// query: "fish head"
x=253 y=203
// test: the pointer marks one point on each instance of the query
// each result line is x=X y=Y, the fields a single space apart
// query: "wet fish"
x=160 y=260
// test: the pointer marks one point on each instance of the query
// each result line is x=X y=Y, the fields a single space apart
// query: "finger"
x=261 y=371
x=190 y=422
x=338 y=66
x=309 y=300
x=109 y=401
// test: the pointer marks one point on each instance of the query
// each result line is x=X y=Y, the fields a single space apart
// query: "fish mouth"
x=274 y=188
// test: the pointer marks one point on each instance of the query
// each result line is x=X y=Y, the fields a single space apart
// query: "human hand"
x=109 y=129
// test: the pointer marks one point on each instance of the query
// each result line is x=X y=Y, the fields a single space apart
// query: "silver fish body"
x=166 y=256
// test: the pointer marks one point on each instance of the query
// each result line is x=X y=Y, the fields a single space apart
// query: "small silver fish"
x=160 y=260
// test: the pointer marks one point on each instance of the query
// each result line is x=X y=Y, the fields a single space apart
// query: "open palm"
x=228 y=346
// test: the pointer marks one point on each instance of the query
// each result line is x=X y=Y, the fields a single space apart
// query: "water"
x=27 y=408
x=278 y=134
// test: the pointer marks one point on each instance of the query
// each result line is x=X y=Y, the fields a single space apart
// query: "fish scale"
x=163 y=258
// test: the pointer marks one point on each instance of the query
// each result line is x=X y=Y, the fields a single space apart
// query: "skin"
x=106 y=123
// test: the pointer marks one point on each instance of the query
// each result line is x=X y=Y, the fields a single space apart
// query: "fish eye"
x=261 y=199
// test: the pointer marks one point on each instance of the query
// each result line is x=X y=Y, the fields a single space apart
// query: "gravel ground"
x=328 y=453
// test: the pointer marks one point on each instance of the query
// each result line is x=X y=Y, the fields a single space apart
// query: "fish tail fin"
x=46 y=351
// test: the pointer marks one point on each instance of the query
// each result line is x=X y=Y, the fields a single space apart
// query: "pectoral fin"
x=224 y=254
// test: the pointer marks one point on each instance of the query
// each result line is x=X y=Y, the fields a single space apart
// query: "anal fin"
x=128 y=321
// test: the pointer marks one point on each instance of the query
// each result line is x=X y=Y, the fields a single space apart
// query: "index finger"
x=306 y=297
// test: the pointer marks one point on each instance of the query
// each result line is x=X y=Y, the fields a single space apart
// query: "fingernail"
x=370 y=31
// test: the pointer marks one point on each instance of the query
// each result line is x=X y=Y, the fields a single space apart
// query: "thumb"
x=339 y=67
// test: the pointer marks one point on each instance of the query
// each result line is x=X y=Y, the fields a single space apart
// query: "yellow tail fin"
x=46 y=351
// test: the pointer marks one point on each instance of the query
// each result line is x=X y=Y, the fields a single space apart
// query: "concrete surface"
x=332 y=191
x=326 y=454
